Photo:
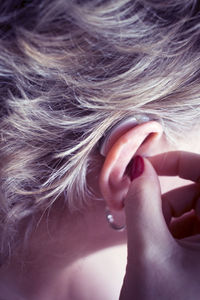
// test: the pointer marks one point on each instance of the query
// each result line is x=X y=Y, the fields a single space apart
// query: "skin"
x=78 y=256
x=118 y=157
x=163 y=255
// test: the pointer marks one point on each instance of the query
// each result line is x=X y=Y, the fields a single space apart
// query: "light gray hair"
x=69 y=71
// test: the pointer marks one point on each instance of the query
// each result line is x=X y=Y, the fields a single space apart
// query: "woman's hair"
x=69 y=71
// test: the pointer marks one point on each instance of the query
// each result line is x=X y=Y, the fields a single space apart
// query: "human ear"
x=114 y=180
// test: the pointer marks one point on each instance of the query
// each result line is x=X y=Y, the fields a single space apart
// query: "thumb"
x=146 y=227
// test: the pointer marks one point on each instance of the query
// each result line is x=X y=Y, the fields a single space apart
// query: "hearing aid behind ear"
x=119 y=129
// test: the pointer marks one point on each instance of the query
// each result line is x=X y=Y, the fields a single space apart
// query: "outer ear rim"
x=112 y=181
x=119 y=129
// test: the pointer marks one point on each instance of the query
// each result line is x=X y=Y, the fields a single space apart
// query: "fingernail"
x=137 y=167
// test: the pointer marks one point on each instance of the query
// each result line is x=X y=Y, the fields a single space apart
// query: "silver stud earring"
x=111 y=222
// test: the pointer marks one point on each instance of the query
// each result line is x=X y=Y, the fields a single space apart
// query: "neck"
x=59 y=242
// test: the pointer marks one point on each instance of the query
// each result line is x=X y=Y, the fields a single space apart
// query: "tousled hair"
x=70 y=70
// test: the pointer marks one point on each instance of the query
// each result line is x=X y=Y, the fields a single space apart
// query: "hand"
x=163 y=232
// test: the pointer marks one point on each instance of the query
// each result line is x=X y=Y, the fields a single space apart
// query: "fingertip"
x=144 y=186
x=143 y=172
x=144 y=216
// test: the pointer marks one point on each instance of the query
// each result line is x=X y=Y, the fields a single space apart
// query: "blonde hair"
x=69 y=71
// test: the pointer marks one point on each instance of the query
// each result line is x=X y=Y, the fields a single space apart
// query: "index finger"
x=177 y=163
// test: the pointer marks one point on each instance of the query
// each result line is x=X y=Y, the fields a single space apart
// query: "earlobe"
x=114 y=181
